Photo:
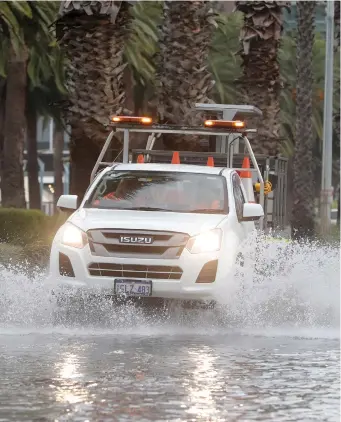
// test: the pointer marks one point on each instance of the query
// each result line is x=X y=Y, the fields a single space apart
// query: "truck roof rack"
x=179 y=129
x=127 y=127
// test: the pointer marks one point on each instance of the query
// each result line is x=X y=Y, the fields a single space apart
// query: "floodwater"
x=270 y=352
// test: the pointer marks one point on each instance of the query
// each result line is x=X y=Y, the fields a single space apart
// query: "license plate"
x=133 y=287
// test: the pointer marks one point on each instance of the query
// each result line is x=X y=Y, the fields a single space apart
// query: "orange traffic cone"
x=140 y=159
x=246 y=177
x=210 y=162
x=175 y=158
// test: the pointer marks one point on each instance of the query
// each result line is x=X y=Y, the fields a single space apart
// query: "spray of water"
x=282 y=288
x=285 y=285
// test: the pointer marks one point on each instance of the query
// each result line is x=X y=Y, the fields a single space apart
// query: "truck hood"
x=87 y=219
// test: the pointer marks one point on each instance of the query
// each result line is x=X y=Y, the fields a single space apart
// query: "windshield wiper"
x=207 y=211
x=148 y=209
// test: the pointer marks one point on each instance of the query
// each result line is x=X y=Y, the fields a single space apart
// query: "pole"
x=326 y=185
x=101 y=155
x=41 y=177
x=66 y=166
x=125 y=146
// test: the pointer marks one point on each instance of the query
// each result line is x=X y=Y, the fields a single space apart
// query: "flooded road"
x=274 y=357
x=167 y=377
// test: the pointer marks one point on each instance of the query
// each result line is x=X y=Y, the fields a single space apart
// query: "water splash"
x=285 y=284
x=282 y=289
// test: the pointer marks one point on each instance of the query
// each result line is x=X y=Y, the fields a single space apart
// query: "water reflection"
x=203 y=383
x=68 y=388
x=69 y=367
x=146 y=378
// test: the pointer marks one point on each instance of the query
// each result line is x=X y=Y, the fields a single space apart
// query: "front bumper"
x=195 y=282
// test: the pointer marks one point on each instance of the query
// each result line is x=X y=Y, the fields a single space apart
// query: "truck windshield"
x=161 y=191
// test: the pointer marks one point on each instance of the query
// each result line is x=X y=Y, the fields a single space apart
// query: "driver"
x=125 y=190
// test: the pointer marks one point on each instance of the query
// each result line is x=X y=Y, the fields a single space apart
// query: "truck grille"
x=164 y=245
x=135 y=271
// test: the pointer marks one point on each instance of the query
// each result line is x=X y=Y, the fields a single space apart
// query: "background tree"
x=183 y=76
x=288 y=102
x=92 y=35
x=224 y=62
x=23 y=25
x=287 y=60
x=260 y=82
x=140 y=51
x=336 y=116
x=304 y=198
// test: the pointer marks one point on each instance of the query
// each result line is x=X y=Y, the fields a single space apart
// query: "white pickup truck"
x=150 y=230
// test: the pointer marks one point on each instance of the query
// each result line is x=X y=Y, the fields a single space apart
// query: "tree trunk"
x=32 y=161
x=2 y=121
x=58 y=146
x=13 y=191
x=182 y=75
x=260 y=84
x=303 y=206
x=83 y=156
x=338 y=207
x=336 y=112
x=93 y=38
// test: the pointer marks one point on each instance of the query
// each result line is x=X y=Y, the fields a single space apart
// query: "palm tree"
x=224 y=62
x=93 y=36
x=22 y=26
x=304 y=197
x=32 y=158
x=2 y=119
x=183 y=76
x=12 y=178
x=288 y=103
x=140 y=50
x=336 y=116
x=260 y=83
x=287 y=60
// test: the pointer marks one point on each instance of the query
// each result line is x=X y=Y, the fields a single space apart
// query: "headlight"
x=73 y=236
x=205 y=242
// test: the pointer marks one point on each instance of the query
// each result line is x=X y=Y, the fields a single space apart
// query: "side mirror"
x=252 y=212
x=67 y=202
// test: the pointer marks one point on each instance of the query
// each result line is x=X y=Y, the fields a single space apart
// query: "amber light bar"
x=232 y=124
x=132 y=119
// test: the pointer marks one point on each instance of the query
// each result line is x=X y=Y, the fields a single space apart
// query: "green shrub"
x=28 y=227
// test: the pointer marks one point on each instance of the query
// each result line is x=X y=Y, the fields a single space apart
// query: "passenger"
x=110 y=195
